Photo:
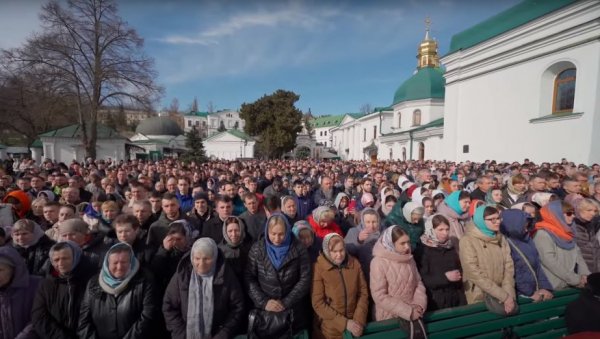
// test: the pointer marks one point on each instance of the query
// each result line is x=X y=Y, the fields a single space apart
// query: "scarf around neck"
x=277 y=253
x=555 y=224
x=429 y=238
x=111 y=284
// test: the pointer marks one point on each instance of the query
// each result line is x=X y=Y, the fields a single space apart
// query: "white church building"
x=522 y=84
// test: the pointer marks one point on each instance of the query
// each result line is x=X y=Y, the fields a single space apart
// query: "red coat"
x=332 y=227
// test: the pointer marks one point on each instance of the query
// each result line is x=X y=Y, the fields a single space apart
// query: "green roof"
x=239 y=134
x=197 y=114
x=435 y=123
x=427 y=83
x=327 y=121
x=37 y=143
x=355 y=115
x=522 y=13
x=235 y=132
x=382 y=109
x=74 y=131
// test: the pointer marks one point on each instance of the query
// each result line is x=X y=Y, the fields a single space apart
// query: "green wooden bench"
x=535 y=320
x=301 y=335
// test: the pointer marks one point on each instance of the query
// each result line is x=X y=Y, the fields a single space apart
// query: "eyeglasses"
x=494 y=220
x=569 y=214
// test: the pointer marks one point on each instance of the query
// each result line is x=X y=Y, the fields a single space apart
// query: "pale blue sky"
x=337 y=55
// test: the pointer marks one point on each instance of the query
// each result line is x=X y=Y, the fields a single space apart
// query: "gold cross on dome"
x=427 y=23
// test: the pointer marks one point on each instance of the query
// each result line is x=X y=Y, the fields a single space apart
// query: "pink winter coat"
x=395 y=284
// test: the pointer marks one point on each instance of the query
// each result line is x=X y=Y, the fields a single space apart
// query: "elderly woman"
x=17 y=290
x=33 y=245
x=361 y=239
x=410 y=218
x=278 y=275
x=120 y=301
x=340 y=296
x=235 y=245
x=305 y=234
x=587 y=225
x=322 y=222
x=455 y=208
x=488 y=269
x=55 y=311
x=204 y=298
x=555 y=241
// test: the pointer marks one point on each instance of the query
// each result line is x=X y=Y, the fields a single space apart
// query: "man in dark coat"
x=170 y=212
x=581 y=315
x=213 y=228
x=254 y=218
x=484 y=184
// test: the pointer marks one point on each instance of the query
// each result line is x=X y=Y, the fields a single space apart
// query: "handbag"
x=414 y=328
x=272 y=325
x=495 y=306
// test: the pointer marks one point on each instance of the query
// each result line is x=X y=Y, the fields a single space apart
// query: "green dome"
x=427 y=83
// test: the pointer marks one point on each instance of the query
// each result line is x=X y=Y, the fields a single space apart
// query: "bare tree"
x=94 y=54
x=195 y=105
x=366 y=109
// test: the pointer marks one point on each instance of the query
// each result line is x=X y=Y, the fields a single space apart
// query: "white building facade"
x=209 y=123
x=532 y=91
x=229 y=145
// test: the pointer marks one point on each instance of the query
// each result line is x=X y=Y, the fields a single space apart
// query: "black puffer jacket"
x=55 y=312
x=434 y=262
x=36 y=256
x=228 y=312
x=236 y=257
x=130 y=315
x=290 y=284
x=587 y=241
x=164 y=264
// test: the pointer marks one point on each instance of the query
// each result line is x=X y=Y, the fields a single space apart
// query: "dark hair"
x=273 y=203
x=397 y=233
x=156 y=195
x=464 y=195
x=490 y=210
x=566 y=207
x=169 y=196
x=222 y=198
x=2 y=233
x=52 y=204
x=390 y=198
x=439 y=219
x=73 y=208
x=177 y=227
x=61 y=246
x=127 y=219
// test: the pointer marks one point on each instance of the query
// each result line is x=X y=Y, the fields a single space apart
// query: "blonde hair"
x=276 y=220
x=111 y=205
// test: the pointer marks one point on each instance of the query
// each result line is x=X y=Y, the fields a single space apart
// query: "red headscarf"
x=23 y=198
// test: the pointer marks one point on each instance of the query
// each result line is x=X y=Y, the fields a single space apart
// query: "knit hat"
x=201 y=196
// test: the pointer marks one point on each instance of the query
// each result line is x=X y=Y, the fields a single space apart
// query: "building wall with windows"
x=209 y=123
x=531 y=92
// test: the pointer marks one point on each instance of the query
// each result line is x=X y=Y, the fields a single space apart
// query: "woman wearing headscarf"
x=439 y=266
x=486 y=262
x=17 y=291
x=306 y=235
x=396 y=285
x=340 y=296
x=586 y=227
x=32 y=243
x=204 y=298
x=530 y=279
x=55 y=312
x=455 y=208
x=289 y=209
x=554 y=239
x=120 y=302
x=278 y=275
x=343 y=217
x=493 y=197
x=515 y=190
x=322 y=222
x=235 y=245
x=20 y=201
x=387 y=205
x=361 y=239
x=410 y=218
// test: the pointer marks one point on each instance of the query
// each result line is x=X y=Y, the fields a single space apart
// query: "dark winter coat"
x=129 y=315
x=304 y=206
x=158 y=230
x=55 y=313
x=513 y=227
x=16 y=299
x=96 y=248
x=290 y=284
x=433 y=264
x=213 y=229
x=228 y=312
x=586 y=236
x=143 y=252
x=36 y=255
x=255 y=224
x=164 y=264
x=236 y=257
x=581 y=315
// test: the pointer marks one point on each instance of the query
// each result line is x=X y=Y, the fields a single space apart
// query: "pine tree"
x=222 y=127
x=195 y=148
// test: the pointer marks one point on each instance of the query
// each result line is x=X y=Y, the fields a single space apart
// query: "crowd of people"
x=138 y=249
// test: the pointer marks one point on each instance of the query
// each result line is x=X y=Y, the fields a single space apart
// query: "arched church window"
x=399 y=120
x=564 y=91
x=417 y=118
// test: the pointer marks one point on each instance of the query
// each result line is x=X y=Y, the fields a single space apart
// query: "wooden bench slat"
x=558 y=333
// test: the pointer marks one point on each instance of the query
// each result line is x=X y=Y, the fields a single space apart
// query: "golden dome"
x=428 y=50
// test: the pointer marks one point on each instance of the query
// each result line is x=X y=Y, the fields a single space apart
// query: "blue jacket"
x=514 y=223
x=186 y=202
x=304 y=206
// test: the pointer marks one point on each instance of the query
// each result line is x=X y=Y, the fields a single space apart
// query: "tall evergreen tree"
x=275 y=121
x=195 y=147
x=221 y=127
